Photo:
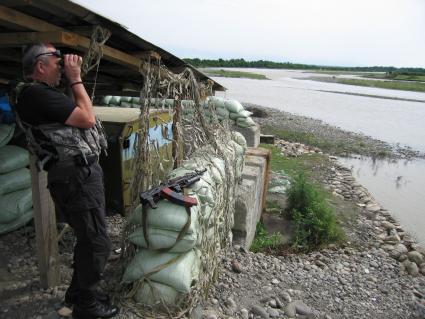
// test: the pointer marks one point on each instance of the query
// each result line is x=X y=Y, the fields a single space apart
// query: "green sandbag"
x=14 y=205
x=243 y=113
x=179 y=274
x=14 y=181
x=217 y=101
x=106 y=99
x=239 y=138
x=6 y=133
x=115 y=100
x=135 y=100
x=17 y=223
x=12 y=158
x=125 y=104
x=157 y=295
x=126 y=99
x=222 y=112
x=163 y=239
x=168 y=216
x=233 y=106
x=245 y=122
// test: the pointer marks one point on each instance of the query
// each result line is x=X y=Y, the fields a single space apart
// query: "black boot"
x=88 y=307
x=95 y=310
x=72 y=296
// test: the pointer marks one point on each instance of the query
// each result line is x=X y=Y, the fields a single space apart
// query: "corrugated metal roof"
x=73 y=17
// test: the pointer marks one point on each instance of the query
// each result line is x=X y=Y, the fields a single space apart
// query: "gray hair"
x=30 y=58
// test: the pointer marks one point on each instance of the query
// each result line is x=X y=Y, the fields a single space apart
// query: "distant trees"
x=241 y=63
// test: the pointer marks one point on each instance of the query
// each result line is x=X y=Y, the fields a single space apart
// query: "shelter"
x=69 y=26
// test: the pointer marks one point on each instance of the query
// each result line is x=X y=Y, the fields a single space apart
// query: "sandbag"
x=125 y=104
x=239 y=138
x=14 y=205
x=17 y=223
x=126 y=99
x=115 y=100
x=106 y=99
x=163 y=239
x=217 y=101
x=12 y=158
x=179 y=274
x=6 y=133
x=223 y=112
x=233 y=106
x=155 y=294
x=245 y=122
x=14 y=181
x=168 y=216
x=243 y=113
x=135 y=100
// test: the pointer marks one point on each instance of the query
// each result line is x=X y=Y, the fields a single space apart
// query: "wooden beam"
x=45 y=228
x=23 y=20
x=71 y=40
x=145 y=55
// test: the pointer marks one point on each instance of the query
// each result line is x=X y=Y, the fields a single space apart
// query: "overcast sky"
x=326 y=32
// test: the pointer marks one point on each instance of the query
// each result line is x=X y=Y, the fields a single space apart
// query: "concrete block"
x=248 y=202
x=266 y=139
x=251 y=134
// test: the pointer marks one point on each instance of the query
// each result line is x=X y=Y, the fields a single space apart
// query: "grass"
x=392 y=85
x=332 y=146
x=316 y=214
x=400 y=77
x=265 y=241
x=314 y=219
x=235 y=74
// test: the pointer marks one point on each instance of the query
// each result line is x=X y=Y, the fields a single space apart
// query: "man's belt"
x=78 y=160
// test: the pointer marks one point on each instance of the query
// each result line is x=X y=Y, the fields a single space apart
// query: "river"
x=398 y=186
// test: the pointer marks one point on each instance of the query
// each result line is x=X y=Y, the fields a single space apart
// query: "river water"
x=398 y=186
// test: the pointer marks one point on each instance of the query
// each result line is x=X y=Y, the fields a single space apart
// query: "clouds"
x=337 y=32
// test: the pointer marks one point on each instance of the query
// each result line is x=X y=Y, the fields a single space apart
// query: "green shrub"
x=265 y=241
x=313 y=219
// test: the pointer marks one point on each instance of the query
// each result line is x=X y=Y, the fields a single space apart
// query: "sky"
x=325 y=32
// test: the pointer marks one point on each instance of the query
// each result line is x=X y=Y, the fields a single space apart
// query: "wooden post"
x=45 y=228
x=176 y=147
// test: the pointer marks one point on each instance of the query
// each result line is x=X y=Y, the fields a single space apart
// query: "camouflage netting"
x=166 y=276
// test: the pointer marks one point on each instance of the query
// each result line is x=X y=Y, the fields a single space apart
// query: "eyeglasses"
x=56 y=53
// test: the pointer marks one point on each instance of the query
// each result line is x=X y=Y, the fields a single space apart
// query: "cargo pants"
x=78 y=192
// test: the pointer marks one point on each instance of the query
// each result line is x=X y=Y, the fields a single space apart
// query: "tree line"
x=241 y=63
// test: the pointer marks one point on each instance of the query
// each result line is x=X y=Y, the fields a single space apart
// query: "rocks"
x=415 y=257
x=236 y=267
x=260 y=311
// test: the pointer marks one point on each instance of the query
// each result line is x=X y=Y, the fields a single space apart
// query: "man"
x=63 y=133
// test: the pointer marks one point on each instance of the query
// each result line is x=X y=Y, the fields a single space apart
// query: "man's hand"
x=72 y=67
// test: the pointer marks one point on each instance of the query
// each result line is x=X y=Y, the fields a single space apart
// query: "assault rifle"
x=172 y=190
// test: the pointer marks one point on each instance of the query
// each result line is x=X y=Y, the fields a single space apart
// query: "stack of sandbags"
x=15 y=188
x=135 y=102
x=167 y=266
x=233 y=110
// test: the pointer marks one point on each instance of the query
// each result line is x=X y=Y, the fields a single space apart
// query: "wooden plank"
x=45 y=228
x=145 y=55
x=23 y=20
x=68 y=39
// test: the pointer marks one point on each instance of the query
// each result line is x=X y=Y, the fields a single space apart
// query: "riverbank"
x=234 y=74
x=415 y=86
x=330 y=139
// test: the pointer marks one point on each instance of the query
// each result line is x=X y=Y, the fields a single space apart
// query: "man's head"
x=41 y=62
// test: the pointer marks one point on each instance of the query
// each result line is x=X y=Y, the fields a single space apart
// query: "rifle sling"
x=145 y=223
